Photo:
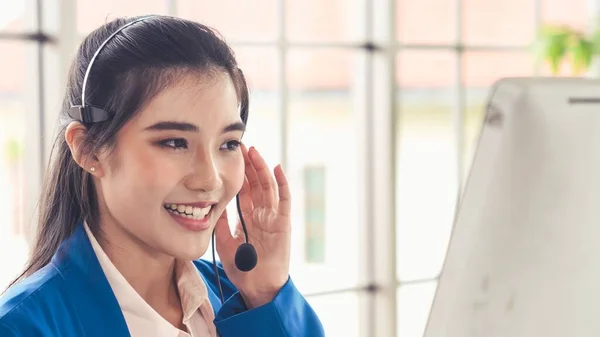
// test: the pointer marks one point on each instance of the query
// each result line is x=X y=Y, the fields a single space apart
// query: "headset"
x=246 y=257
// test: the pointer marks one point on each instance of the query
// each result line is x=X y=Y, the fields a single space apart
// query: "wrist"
x=256 y=299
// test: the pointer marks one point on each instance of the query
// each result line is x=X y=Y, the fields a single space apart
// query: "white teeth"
x=187 y=211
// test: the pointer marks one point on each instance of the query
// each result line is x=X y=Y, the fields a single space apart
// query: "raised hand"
x=265 y=204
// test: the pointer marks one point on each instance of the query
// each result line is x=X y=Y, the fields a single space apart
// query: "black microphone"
x=245 y=256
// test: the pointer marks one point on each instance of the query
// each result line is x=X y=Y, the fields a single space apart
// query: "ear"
x=74 y=135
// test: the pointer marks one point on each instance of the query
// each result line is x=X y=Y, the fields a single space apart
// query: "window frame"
x=55 y=35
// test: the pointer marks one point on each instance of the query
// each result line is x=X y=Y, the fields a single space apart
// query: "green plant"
x=557 y=43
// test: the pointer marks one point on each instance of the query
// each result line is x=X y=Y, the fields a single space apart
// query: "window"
x=444 y=73
x=319 y=73
x=237 y=21
x=92 y=14
x=426 y=162
x=17 y=86
x=321 y=133
x=19 y=152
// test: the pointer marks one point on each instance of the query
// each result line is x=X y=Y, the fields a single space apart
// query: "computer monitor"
x=524 y=255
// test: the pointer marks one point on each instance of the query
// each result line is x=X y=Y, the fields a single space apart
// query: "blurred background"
x=373 y=107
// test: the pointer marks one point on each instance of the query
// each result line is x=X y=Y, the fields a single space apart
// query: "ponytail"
x=68 y=192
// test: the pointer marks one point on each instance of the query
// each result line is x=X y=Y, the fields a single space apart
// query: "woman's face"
x=175 y=167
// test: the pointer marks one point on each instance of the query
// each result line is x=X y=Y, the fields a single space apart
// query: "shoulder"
x=24 y=306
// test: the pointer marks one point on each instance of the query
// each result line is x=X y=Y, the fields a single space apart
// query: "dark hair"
x=134 y=66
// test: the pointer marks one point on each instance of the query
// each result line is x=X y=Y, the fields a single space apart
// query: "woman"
x=148 y=157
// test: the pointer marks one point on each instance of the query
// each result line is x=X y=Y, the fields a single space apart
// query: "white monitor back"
x=524 y=256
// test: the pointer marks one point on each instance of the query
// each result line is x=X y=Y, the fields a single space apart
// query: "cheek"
x=139 y=180
x=149 y=170
x=235 y=174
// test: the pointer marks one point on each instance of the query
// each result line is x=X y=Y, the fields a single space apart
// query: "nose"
x=205 y=174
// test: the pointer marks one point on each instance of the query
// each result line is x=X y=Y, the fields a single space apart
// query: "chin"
x=184 y=244
x=188 y=250
x=188 y=255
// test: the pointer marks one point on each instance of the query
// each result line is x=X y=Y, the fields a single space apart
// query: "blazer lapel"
x=90 y=292
x=215 y=301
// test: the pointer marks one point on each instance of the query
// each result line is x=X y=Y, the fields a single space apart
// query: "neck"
x=150 y=273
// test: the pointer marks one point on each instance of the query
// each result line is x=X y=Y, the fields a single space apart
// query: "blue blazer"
x=72 y=297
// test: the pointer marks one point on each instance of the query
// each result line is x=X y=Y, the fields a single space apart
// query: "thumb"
x=225 y=244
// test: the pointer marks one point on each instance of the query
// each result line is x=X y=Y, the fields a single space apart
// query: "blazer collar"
x=90 y=291
x=95 y=303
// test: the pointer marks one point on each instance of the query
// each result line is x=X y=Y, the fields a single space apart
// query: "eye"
x=177 y=143
x=231 y=145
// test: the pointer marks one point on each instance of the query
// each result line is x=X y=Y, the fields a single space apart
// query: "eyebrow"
x=187 y=127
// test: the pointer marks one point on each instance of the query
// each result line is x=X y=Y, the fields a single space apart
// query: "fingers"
x=245 y=195
x=285 y=198
x=265 y=190
x=265 y=179
x=245 y=207
x=252 y=177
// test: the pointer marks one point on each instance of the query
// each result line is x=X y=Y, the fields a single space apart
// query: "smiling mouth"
x=186 y=211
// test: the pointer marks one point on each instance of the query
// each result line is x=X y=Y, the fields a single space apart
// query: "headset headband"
x=91 y=114
x=246 y=257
